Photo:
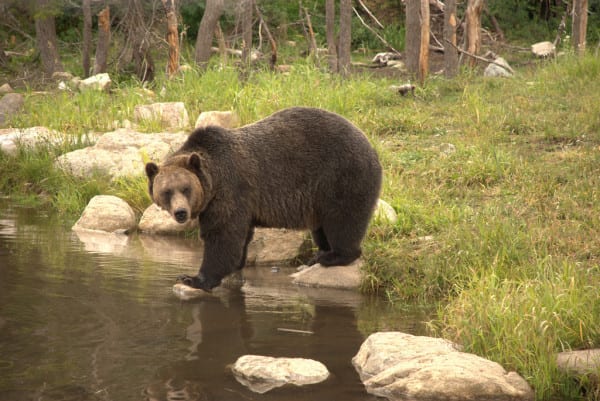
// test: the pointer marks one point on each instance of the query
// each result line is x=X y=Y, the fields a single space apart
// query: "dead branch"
x=364 y=7
x=385 y=42
x=269 y=36
x=485 y=60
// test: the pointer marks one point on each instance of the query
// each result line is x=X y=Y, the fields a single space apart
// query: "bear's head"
x=176 y=187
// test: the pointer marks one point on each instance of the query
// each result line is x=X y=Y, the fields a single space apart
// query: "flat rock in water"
x=341 y=277
x=263 y=373
x=401 y=366
x=185 y=292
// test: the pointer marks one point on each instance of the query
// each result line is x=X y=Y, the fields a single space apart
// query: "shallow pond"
x=94 y=318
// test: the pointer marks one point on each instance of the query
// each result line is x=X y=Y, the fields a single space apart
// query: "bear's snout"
x=181 y=215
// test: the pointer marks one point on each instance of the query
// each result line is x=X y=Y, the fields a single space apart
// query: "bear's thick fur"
x=300 y=168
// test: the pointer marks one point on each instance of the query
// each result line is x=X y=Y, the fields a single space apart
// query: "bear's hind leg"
x=321 y=242
x=344 y=234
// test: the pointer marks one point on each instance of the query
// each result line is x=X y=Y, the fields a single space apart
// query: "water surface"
x=94 y=318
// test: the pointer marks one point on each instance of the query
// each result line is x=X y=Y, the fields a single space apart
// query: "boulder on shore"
x=401 y=366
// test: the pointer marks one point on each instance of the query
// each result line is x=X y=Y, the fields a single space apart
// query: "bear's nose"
x=180 y=215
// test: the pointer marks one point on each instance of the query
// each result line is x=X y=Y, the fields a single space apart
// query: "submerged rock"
x=401 y=366
x=263 y=373
x=106 y=213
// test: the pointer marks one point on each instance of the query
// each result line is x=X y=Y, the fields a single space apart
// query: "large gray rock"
x=499 y=68
x=99 y=82
x=106 y=213
x=170 y=114
x=263 y=373
x=340 y=277
x=583 y=363
x=225 y=119
x=120 y=153
x=401 y=366
x=10 y=104
x=13 y=138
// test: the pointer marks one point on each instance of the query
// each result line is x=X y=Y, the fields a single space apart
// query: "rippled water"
x=94 y=318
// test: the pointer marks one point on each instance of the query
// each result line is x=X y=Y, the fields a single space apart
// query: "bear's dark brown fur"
x=300 y=168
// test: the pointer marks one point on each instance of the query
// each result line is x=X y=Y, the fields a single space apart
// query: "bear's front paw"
x=198 y=281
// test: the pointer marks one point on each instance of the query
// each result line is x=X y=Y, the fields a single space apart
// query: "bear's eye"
x=186 y=191
x=167 y=194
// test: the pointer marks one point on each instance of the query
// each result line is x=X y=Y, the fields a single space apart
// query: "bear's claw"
x=198 y=281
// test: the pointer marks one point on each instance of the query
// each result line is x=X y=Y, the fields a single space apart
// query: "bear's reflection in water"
x=224 y=328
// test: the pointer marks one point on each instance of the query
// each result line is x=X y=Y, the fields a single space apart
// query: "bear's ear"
x=151 y=170
x=194 y=162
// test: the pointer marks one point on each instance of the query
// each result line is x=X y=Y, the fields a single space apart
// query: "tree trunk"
x=473 y=17
x=87 y=37
x=45 y=35
x=208 y=24
x=413 y=35
x=345 y=41
x=272 y=42
x=246 y=18
x=310 y=34
x=172 y=37
x=103 y=41
x=450 y=52
x=580 y=17
x=424 y=43
x=138 y=36
x=3 y=56
x=330 y=34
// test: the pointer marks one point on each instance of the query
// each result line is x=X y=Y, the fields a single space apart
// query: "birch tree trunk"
x=330 y=34
x=345 y=40
x=246 y=18
x=580 y=17
x=424 y=43
x=473 y=17
x=208 y=24
x=450 y=52
x=87 y=37
x=103 y=41
x=45 y=35
x=413 y=35
x=172 y=37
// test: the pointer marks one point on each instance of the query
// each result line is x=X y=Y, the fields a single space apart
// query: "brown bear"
x=300 y=168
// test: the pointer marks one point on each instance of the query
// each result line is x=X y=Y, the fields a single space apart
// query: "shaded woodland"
x=141 y=38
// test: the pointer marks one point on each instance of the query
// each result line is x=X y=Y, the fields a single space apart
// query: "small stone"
x=263 y=373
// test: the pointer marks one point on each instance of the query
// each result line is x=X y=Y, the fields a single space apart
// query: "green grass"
x=502 y=231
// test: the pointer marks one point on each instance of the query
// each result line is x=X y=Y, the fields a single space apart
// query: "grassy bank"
x=496 y=183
